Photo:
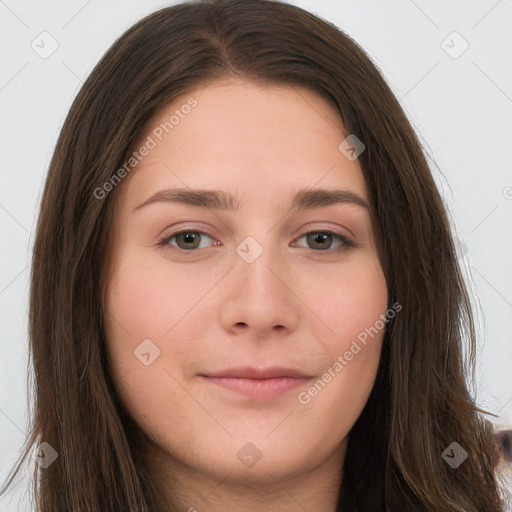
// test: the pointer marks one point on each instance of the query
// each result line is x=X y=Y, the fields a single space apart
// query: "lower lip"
x=261 y=389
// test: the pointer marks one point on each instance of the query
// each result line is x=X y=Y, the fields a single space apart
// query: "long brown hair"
x=420 y=403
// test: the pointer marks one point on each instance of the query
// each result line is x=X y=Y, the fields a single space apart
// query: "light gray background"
x=460 y=105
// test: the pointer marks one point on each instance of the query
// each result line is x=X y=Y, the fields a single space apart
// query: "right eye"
x=184 y=237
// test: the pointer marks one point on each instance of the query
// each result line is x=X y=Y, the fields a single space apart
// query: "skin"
x=296 y=306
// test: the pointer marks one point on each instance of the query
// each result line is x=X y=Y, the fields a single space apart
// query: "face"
x=238 y=344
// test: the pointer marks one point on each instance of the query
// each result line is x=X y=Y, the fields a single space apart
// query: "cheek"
x=347 y=299
x=143 y=303
x=150 y=298
x=144 y=294
x=351 y=331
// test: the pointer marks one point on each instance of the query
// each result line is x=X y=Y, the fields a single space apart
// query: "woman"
x=259 y=371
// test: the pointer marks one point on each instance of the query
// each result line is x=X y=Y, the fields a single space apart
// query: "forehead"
x=256 y=141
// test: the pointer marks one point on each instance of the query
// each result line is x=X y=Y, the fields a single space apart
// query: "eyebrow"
x=304 y=199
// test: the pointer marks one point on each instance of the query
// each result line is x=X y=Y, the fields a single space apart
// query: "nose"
x=261 y=293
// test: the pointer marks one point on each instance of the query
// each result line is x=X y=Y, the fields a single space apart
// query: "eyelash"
x=347 y=241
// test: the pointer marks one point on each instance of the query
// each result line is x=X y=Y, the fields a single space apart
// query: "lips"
x=247 y=372
x=257 y=383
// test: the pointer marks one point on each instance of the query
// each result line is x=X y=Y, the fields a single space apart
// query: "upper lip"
x=248 y=372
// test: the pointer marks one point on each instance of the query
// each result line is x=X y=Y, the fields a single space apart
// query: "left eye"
x=321 y=238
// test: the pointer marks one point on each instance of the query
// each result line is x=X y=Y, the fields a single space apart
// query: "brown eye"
x=320 y=240
x=186 y=240
x=323 y=241
x=189 y=239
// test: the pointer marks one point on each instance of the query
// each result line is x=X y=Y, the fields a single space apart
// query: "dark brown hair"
x=420 y=402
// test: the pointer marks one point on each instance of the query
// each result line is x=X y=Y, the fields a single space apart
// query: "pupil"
x=188 y=237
